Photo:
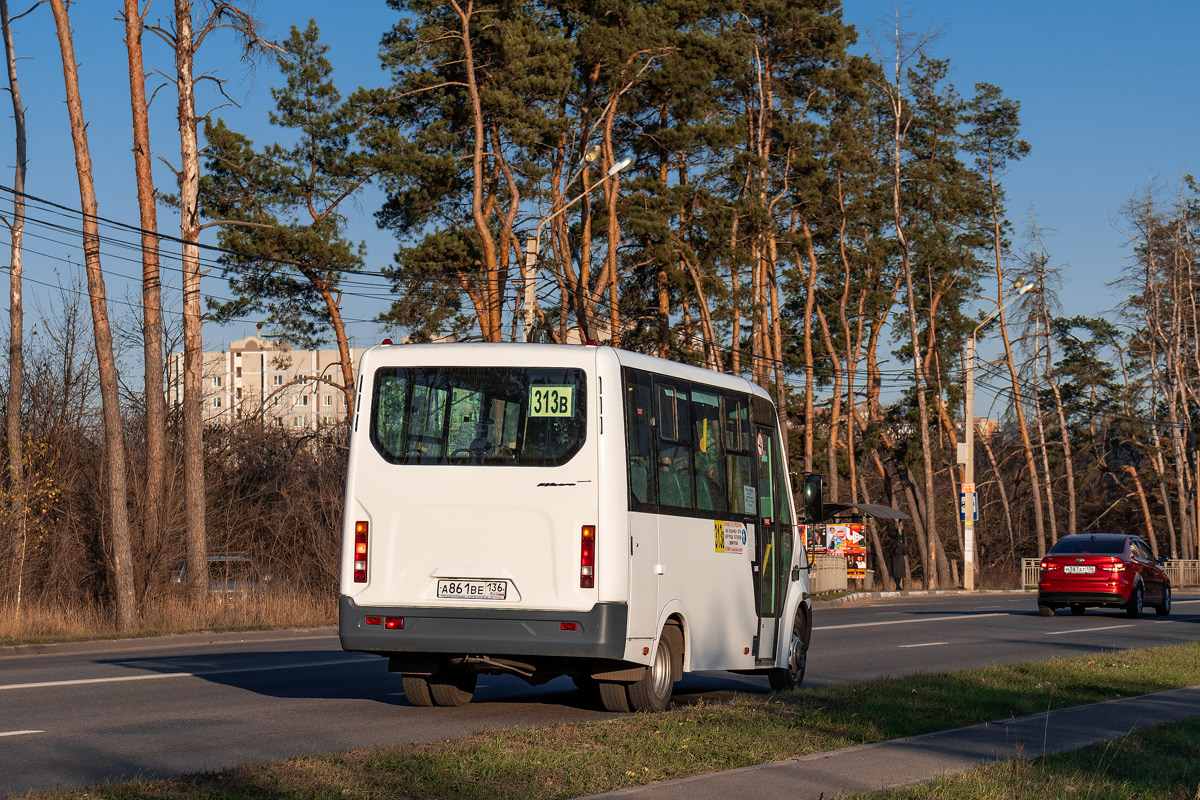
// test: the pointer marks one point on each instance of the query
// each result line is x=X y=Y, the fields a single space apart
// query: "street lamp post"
x=968 y=484
x=534 y=242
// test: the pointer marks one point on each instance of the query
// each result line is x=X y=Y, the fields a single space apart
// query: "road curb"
x=860 y=596
x=168 y=640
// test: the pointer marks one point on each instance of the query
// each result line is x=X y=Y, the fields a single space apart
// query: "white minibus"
x=548 y=510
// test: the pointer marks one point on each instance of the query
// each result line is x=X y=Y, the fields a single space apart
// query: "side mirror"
x=814 y=511
x=814 y=503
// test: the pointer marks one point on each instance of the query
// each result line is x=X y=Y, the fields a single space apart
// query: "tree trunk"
x=121 y=555
x=931 y=577
x=153 y=516
x=735 y=308
x=1018 y=407
x=16 y=304
x=810 y=306
x=1008 y=518
x=884 y=569
x=1147 y=518
x=193 y=339
x=490 y=319
x=1044 y=448
x=611 y=191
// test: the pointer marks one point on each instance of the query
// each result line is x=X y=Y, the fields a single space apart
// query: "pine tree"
x=279 y=210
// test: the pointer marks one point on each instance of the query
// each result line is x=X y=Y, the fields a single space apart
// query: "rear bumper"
x=1082 y=598
x=599 y=634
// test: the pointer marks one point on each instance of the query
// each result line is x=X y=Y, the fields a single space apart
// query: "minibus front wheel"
x=790 y=677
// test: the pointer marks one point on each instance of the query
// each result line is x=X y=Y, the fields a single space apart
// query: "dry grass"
x=40 y=624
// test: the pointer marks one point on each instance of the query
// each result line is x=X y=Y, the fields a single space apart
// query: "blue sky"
x=1107 y=105
x=1106 y=92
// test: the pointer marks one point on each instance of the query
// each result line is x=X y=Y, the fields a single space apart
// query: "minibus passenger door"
x=640 y=432
x=772 y=556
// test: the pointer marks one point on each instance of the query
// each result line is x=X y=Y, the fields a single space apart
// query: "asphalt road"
x=74 y=715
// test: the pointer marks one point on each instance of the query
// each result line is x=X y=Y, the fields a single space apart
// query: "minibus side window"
x=737 y=444
x=674 y=447
x=639 y=441
x=709 y=452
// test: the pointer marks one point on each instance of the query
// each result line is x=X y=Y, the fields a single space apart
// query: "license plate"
x=1079 y=570
x=472 y=590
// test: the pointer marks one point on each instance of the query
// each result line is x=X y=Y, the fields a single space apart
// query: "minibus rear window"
x=487 y=416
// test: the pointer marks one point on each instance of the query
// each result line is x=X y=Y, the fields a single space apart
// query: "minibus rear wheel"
x=653 y=691
x=614 y=696
x=452 y=686
x=416 y=690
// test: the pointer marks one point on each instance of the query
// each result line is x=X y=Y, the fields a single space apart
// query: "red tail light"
x=587 y=557
x=360 y=551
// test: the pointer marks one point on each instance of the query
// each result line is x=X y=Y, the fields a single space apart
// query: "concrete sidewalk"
x=903 y=762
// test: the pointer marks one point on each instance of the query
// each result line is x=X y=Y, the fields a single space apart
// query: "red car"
x=1112 y=570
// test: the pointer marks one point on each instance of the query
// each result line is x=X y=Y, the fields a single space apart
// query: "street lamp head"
x=1029 y=287
x=620 y=165
x=592 y=154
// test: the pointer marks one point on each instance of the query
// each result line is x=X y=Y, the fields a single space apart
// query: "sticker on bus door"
x=732 y=537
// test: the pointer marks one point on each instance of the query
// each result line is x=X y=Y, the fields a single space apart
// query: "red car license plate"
x=1073 y=569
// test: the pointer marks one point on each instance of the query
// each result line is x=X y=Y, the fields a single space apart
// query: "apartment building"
x=288 y=387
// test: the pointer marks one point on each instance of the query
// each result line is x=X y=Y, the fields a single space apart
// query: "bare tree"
x=152 y=331
x=16 y=359
x=121 y=555
x=185 y=39
x=905 y=49
x=1038 y=261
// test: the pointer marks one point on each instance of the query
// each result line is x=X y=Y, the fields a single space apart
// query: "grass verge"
x=1160 y=763
x=570 y=760
x=278 y=608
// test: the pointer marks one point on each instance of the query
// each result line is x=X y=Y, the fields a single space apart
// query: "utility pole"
x=969 y=510
x=968 y=482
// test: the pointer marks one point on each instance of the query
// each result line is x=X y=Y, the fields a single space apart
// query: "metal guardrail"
x=1184 y=573
x=1181 y=572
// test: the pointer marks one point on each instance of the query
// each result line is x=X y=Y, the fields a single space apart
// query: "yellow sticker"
x=719 y=535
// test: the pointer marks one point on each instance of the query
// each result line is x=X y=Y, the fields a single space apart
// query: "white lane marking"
x=959 y=617
x=1175 y=602
x=165 y=675
x=18 y=733
x=1089 y=630
x=923 y=644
